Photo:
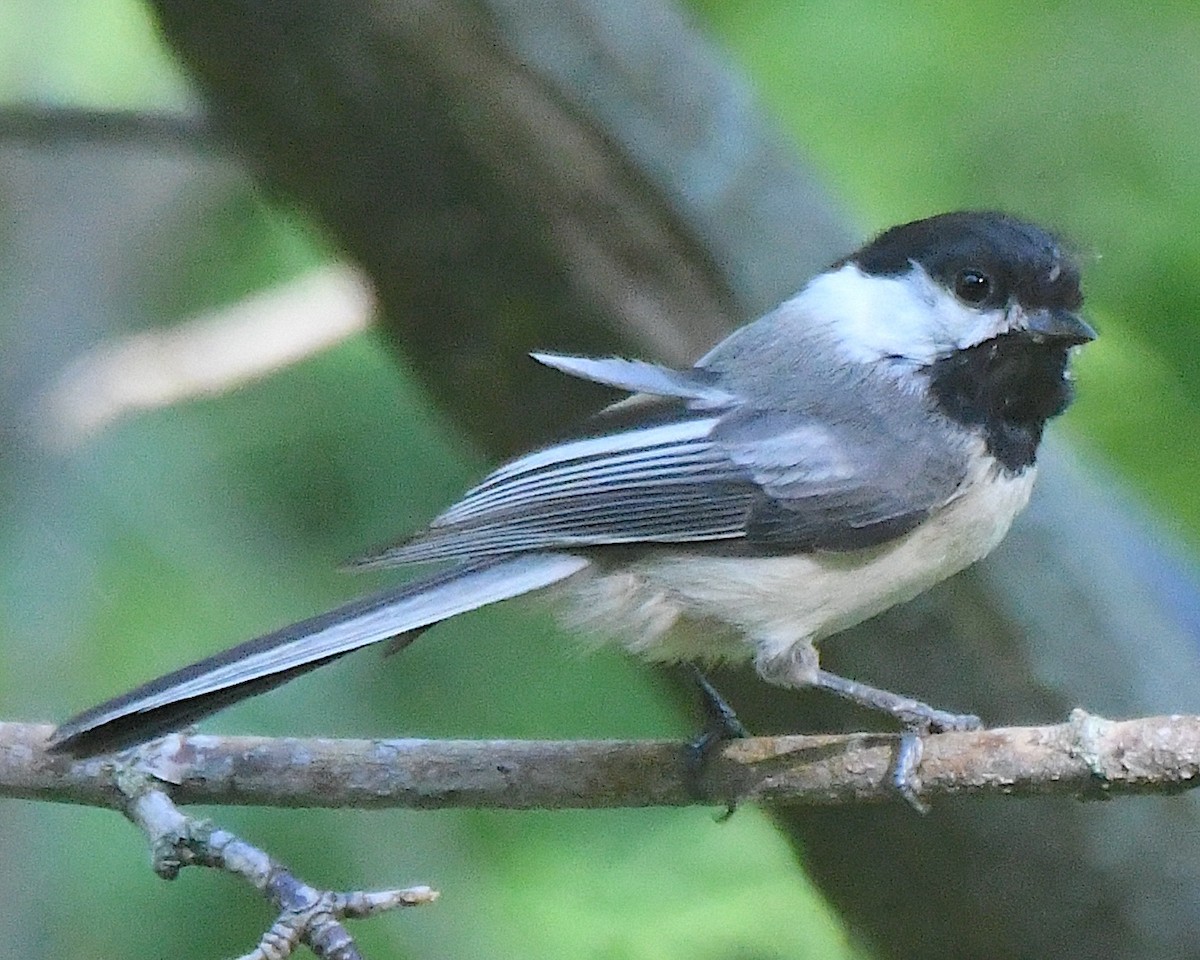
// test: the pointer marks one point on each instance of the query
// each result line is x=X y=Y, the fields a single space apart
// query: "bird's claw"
x=919 y=724
x=721 y=724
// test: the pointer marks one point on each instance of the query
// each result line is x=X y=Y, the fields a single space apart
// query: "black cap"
x=1019 y=260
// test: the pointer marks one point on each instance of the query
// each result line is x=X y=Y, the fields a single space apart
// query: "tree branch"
x=1087 y=756
x=56 y=125
x=306 y=914
x=205 y=355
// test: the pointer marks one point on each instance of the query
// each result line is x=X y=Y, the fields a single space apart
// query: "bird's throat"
x=1006 y=387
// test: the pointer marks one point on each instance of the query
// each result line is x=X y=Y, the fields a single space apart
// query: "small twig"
x=306 y=914
x=209 y=354
x=1087 y=756
x=59 y=124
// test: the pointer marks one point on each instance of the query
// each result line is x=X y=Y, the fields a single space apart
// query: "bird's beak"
x=1062 y=326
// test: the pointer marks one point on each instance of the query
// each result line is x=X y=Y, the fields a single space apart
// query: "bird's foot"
x=720 y=724
x=918 y=719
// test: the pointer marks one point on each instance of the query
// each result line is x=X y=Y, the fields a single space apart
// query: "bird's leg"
x=912 y=714
x=918 y=719
x=798 y=667
x=720 y=724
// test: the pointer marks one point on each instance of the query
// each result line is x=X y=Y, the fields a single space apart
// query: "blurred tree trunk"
x=589 y=176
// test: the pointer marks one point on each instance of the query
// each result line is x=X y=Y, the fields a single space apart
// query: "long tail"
x=204 y=687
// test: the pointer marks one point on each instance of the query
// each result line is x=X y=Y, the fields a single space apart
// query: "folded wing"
x=691 y=464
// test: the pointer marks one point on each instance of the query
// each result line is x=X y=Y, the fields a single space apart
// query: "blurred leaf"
x=102 y=53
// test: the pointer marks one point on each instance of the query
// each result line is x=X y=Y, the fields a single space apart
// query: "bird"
x=870 y=436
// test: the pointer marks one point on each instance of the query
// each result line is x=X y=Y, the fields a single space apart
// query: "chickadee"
x=866 y=439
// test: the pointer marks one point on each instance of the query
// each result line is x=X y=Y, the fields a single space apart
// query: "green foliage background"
x=194 y=527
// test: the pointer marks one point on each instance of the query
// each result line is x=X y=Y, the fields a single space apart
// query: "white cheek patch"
x=910 y=317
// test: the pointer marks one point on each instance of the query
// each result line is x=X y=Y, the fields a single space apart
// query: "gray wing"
x=697 y=465
x=840 y=484
x=638 y=376
x=665 y=483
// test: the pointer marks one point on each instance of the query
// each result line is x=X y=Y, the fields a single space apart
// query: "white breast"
x=681 y=608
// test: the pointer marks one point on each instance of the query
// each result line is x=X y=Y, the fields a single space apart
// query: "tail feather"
x=202 y=688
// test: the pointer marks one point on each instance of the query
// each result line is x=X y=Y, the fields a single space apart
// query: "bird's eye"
x=972 y=286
